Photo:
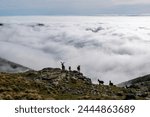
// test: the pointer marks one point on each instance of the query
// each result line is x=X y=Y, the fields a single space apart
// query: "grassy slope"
x=56 y=84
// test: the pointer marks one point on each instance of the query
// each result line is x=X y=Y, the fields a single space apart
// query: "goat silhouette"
x=69 y=68
x=78 y=68
x=62 y=65
x=110 y=83
x=100 y=81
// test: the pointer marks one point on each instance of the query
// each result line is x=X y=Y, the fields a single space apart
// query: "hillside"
x=135 y=81
x=140 y=84
x=54 y=83
x=8 y=66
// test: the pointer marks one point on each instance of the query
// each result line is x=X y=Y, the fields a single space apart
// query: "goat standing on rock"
x=63 y=66
x=78 y=68
x=100 y=81
x=69 y=68
x=110 y=83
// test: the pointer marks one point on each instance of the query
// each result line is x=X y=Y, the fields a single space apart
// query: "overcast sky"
x=74 y=7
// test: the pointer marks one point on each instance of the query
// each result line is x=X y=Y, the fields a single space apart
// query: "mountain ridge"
x=131 y=82
x=58 y=84
x=9 y=66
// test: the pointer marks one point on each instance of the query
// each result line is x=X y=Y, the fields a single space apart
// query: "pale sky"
x=74 y=7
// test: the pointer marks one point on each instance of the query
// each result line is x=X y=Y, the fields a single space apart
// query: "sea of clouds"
x=108 y=48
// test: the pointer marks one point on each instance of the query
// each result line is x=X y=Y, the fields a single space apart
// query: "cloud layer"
x=108 y=48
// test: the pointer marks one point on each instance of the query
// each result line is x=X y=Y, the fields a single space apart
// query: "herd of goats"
x=78 y=69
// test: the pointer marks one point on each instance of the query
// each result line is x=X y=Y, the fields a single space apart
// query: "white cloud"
x=109 y=48
x=131 y=1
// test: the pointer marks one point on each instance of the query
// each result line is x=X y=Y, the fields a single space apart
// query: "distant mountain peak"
x=8 y=66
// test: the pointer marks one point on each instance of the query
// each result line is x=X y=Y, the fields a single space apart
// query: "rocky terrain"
x=141 y=85
x=143 y=80
x=19 y=82
x=54 y=83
